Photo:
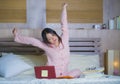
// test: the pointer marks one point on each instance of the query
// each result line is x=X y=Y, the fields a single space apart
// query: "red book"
x=45 y=72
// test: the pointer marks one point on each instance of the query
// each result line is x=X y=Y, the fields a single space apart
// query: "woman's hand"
x=14 y=31
x=65 y=5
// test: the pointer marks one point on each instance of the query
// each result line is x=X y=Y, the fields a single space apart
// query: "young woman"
x=55 y=47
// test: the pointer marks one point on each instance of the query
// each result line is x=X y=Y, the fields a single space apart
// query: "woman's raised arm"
x=64 y=22
x=27 y=40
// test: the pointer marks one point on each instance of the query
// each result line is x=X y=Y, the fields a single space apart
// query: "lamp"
x=113 y=62
x=116 y=69
x=116 y=63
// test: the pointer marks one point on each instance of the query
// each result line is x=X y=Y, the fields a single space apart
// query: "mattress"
x=30 y=79
x=91 y=76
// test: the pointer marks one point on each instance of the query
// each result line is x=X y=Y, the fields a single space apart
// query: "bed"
x=85 y=54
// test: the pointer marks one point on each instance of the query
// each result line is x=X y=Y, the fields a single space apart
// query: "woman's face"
x=52 y=38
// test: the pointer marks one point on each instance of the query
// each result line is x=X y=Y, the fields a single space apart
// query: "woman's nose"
x=52 y=38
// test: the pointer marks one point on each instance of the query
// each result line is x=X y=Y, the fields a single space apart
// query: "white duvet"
x=30 y=79
x=91 y=77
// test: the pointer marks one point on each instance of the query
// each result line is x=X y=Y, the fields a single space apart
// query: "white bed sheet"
x=30 y=79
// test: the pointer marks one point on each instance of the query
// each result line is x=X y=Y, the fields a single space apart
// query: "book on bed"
x=45 y=72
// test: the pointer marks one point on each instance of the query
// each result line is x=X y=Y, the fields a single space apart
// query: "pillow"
x=26 y=59
x=30 y=71
x=11 y=65
x=22 y=57
x=34 y=60
x=83 y=62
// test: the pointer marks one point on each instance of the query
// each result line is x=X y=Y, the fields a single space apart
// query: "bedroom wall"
x=36 y=15
x=36 y=20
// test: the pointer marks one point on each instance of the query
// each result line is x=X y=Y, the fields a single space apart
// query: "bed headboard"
x=9 y=45
x=85 y=45
x=77 y=45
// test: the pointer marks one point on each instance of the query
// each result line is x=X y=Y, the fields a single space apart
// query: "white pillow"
x=11 y=65
x=26 y=59
x=34 y=60
x=83 y=62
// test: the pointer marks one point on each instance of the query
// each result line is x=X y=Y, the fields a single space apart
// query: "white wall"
x=36 y=13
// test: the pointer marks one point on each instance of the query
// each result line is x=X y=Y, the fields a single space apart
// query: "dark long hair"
x=51 y=31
